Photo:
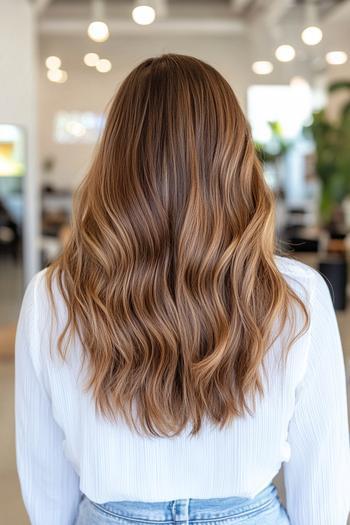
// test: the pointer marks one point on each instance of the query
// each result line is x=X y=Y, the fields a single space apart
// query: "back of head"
x=169 y=275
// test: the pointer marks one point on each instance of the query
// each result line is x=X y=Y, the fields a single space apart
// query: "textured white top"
x=64 y=448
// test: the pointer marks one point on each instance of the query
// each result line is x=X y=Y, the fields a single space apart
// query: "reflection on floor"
x=12 y=509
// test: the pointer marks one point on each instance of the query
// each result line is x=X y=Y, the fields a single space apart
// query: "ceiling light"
x=98 y=31
x=336 y=57
x=64 y=76
x=143 y=14
x=103 y=65
x=53 y=62
x=57 y=75
x=285 y=53
x=91 y=59
x=262 y=67
x=311 y=35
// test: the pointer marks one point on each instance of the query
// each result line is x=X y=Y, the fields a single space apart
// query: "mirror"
x=12 y=172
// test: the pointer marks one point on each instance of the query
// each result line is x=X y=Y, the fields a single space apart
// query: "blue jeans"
x=265 y=509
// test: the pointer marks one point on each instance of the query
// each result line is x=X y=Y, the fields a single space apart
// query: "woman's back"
x=301 y=420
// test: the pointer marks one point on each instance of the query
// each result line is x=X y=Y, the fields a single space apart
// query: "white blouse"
x=65 y=449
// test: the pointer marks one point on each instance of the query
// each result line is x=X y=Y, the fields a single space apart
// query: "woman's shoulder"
x=35 y=290
x=290 y=266
x=42 y=317
x=34 y=293
x=37 y=296
x=297 y=272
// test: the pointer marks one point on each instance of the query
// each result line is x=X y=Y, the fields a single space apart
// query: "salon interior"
x=61 y=62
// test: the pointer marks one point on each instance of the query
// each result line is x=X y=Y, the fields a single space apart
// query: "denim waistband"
x=190 y=509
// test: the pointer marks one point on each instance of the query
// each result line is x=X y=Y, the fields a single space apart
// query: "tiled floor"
x=12 y=509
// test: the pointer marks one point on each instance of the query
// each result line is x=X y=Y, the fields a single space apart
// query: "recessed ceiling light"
x=57 y=75
x=285 y=53
x=103 y=65
x=262 y=67
x=53 y=62
x=91 y=59
x=311 y=35
x=98 y=31
x=143 y=14
x=336 y=57
x=64 y=76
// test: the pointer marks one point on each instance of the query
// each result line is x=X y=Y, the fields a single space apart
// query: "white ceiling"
x=187 y=16
x=235 y=9
x=260 y=25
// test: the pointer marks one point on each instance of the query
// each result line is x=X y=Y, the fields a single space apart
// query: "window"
x=72 y=127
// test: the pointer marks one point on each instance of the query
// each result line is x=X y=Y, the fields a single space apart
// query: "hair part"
x=168 y=276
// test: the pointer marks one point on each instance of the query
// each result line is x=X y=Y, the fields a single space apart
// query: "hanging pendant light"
x=98 y=29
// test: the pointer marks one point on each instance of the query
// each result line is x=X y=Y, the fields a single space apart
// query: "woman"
x=170 y=360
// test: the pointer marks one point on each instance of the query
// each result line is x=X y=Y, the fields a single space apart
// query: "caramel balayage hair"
x=169 y=276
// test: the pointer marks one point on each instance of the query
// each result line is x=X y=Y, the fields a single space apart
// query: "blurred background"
x=61 y=62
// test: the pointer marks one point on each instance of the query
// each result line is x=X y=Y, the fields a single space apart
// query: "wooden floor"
x=7 y=337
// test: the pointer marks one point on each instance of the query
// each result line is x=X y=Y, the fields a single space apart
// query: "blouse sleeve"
x=318 y=472
x=49 y=484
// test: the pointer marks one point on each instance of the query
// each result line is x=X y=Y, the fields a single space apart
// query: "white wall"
x=18 y=72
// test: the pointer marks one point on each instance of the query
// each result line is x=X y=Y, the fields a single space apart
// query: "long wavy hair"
x=168 y=274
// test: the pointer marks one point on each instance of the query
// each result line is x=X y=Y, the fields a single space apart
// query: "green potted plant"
x=332 y=142
x=278 y=147
x=273 y=153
